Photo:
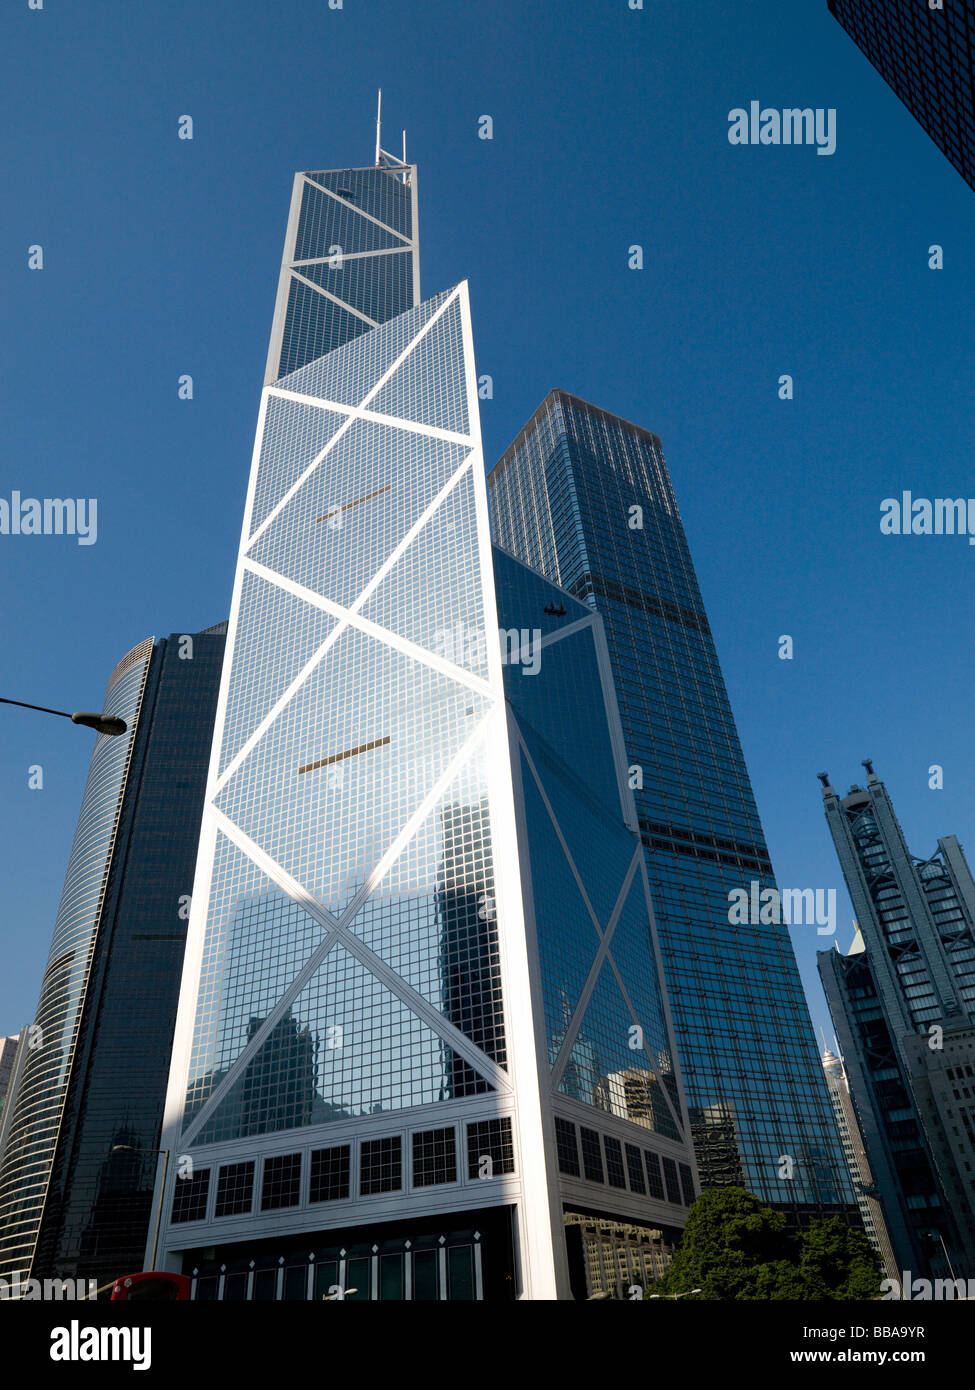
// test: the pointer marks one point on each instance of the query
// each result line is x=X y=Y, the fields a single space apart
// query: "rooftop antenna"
x=379 y=113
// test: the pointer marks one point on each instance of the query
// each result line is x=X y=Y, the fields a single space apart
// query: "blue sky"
x=610 y=129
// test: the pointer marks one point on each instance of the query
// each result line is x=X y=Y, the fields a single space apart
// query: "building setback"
x=927 y=56
x=903 y=1005
x=585 y=497
x=92 y=1071
x=422 y=1049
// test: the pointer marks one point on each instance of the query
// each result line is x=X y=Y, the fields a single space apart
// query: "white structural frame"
x=520 y=1090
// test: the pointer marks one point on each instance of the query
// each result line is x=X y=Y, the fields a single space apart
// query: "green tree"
x=837 y=1262
x=728 y=1238
x=734 y=1247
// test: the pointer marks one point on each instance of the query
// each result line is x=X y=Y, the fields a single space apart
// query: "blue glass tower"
x=585 y=497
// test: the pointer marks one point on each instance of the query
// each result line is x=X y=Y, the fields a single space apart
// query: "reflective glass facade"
x=343 y=1037
x=613 y=1083
x=903 y=1002
x=585 y=497
x=351 y=261
x=357 y=1040
x=98 y=1207
x=928 y=57
x=31 y=1129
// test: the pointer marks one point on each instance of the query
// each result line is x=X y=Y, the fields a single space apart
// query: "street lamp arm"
x=101 y=723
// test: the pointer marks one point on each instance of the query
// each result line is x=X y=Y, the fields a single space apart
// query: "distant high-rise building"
x=585 y=497
x=8 y=1051
x=903 y=1005
x=858 y=1163
x=93 y=1068
x=421 y=1034
x=927 y=55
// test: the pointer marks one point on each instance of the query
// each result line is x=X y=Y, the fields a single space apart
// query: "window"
x=434 y=1157
x=634 y=1168
x=282 y=1182
x=670 y=1178
x=567 y=1146
x=235 y=1189
x=381 y=1163
x=654 y=1184
x=490 y=1139
x=329 y=1174
x=687 y=1183
x=592 y=1156
x=614 y=1162
x=190 y=1196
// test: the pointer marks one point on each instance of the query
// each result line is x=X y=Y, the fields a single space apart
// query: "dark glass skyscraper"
x=95 y=1076
x=586 y=498
x=928 y=57
x=903 y=1003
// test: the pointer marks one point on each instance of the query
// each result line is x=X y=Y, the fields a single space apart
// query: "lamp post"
x=686 y=1294
x=101 y=723
x=129 y=1149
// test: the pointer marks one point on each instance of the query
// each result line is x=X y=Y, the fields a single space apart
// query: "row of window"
x=490 y=1153
x=606 y=1159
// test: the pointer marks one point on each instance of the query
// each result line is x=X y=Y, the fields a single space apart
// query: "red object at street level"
x=153 y=1284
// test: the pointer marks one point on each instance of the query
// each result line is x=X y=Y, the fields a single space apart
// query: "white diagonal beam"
x=327 y=294
x=351 y=207
x=394 y=421
x=338 y=929
x=370 y=587
x=393 y=368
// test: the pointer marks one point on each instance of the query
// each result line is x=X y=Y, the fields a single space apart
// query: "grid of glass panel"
x=490 y=1148
x=380 y=1166
x=190 y=1196
x=567 y=1147
x=345 y=1047
x=434 y=1157
x=354 y=240
x=235 y=1189
x=620 y=1058
x=928 y=57
x=281 y=1182
x=592 y=1155
x=562 y=500
x=329 y=1180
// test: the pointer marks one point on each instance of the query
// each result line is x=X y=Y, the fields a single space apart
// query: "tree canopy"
x=734 y=1247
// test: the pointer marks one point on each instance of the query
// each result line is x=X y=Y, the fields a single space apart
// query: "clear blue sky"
x=162 y=255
